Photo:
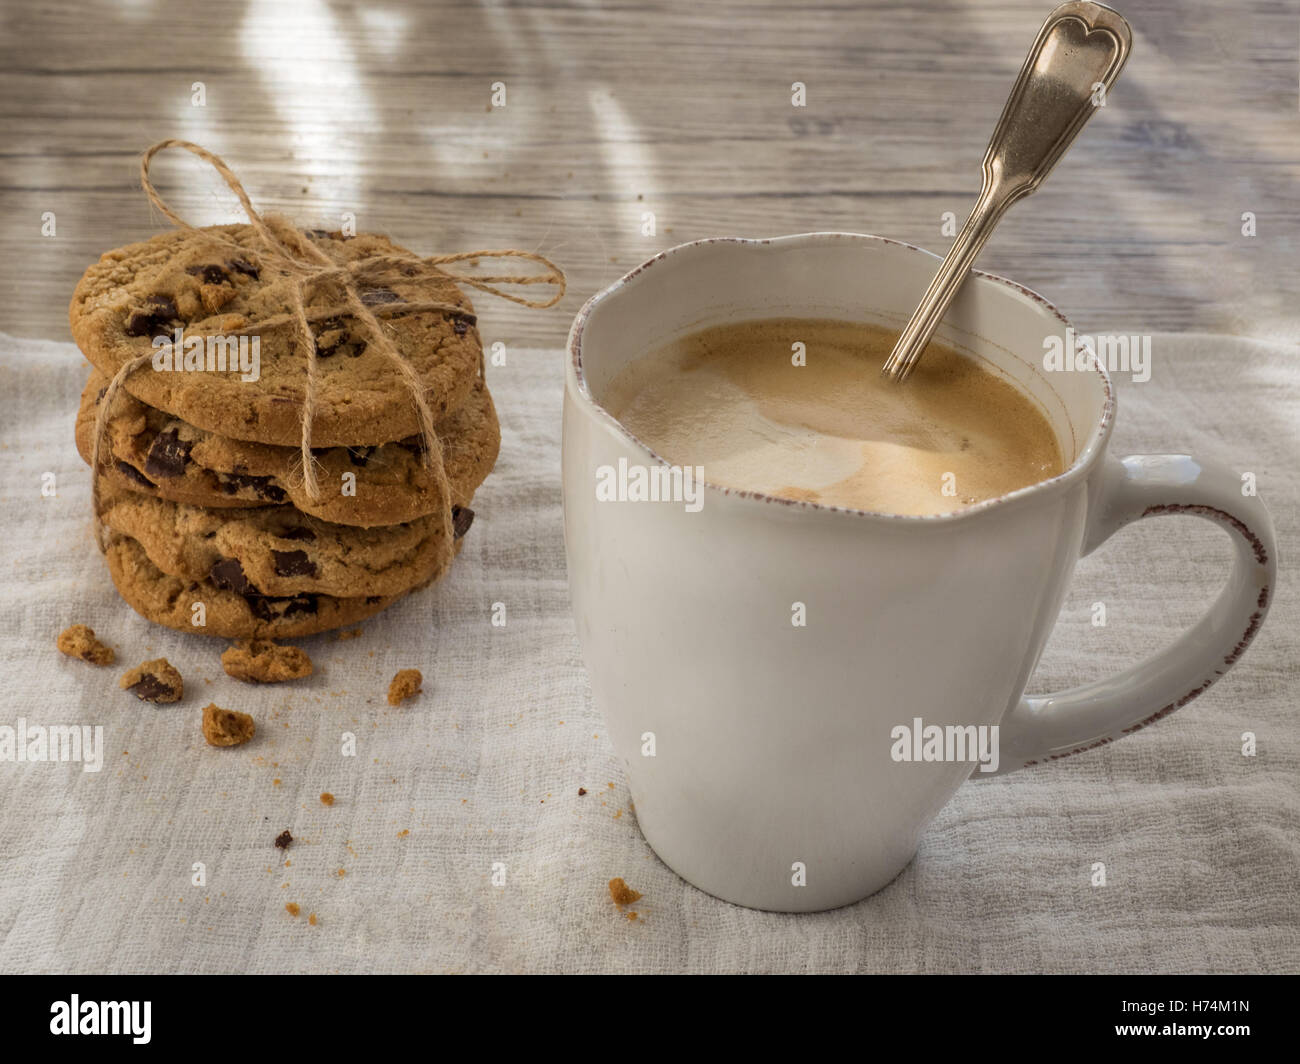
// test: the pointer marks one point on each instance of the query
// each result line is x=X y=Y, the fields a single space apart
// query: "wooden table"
x=678 y=108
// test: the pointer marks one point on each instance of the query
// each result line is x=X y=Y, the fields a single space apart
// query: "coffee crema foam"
x=731 y=399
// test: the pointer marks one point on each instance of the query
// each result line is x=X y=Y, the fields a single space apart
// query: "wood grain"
x=680 y=108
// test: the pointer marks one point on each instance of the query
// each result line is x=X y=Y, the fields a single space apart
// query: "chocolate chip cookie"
x=171 y=601
x=184 y=280
x=278 y=551
x=152 y=452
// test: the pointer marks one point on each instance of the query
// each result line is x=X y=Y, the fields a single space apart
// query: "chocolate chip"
x=299 y=534
x=282 y=840
x=318 y=234
x=293 y=563
x=359 y=456
x=129 y=470
x=231 y=483
x=354 y=349
x=210 y=274
x=244 y=267
x=228 y=574
x=339 y=344
x=271 y=607
x=413 y=444
x=102 y=393
x=151 y=689
x=153 y=318
x=461 y=324
x=461 y=518
x=372 y=599
x=168 y=454
x=377 y=296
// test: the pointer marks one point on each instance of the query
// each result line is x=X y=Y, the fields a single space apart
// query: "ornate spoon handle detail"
x=1074 y=61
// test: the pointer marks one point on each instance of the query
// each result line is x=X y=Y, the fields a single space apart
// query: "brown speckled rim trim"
x=1094 y=445
x=1213 y=513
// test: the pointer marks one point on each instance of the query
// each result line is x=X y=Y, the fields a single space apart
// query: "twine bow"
x=309 y=268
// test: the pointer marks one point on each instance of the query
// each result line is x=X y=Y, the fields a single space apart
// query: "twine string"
x=310 y=269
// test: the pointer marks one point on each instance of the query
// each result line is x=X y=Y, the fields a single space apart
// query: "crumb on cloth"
x=78 y=641
x=265 y=661
x=405 y=685
x=154 y=681
x=622 y=893
x=226 y=727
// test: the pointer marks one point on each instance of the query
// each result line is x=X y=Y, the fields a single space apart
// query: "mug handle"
x=1046 y=728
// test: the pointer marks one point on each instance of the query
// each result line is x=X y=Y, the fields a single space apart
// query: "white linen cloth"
x=1201 y=844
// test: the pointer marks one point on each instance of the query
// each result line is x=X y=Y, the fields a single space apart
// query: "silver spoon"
x=1078 y=55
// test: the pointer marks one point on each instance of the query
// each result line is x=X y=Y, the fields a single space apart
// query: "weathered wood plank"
x=675 y=107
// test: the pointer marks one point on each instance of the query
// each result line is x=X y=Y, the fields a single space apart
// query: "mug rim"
x=1094 y=446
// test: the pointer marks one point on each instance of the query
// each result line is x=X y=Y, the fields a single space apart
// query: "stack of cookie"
x=207 y=517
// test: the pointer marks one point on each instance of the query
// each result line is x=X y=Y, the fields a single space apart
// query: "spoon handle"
x=1075 y=59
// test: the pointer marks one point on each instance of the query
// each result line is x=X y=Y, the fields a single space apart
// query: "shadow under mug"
x=761 y=753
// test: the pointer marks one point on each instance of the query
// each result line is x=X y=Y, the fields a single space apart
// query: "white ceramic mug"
x=758 y=752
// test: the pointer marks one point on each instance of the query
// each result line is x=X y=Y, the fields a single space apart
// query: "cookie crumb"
x=312 y=919
x=265 y=661
x=292 y=908
x=226 y=727
x=78 y=641
x=582 y=791
x=283 y=839
x=405 y=684
x=622 y=893
x=326 y=798
x=350 y=633
x=154 y=681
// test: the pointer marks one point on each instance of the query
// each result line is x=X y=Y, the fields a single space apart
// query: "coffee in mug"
x=797 y=408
